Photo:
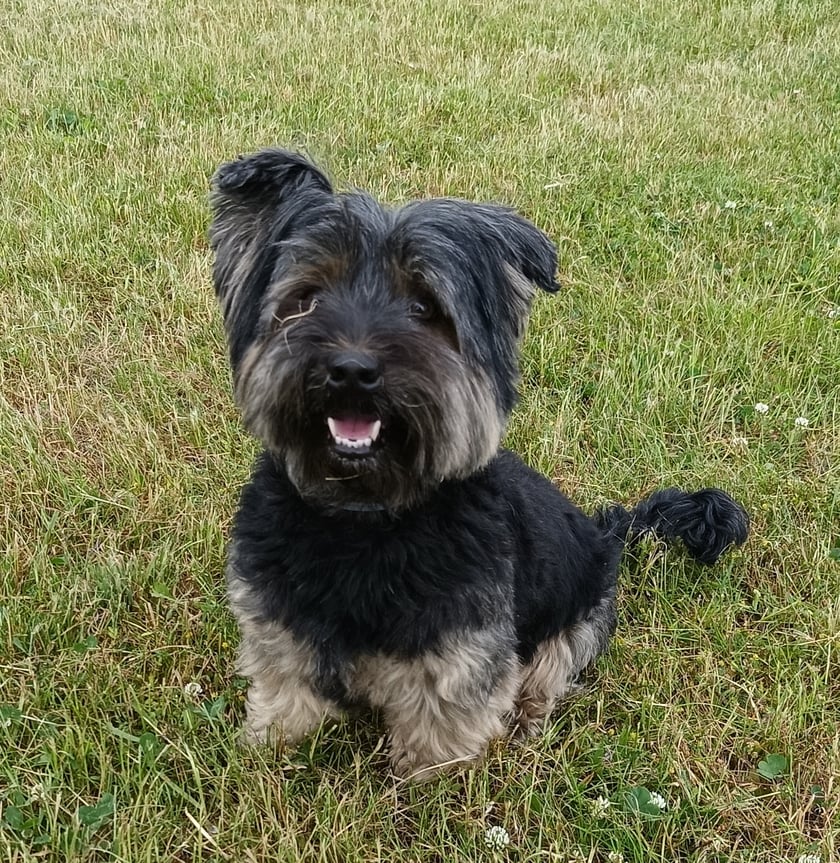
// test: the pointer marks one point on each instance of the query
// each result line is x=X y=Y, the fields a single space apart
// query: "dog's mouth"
x=355 y=436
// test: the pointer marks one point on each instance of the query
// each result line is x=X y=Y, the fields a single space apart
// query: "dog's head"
x=374 y=351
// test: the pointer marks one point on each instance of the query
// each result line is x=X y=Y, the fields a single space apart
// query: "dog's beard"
x=432 y=420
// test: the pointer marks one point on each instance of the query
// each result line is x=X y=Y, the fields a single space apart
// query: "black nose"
x=354 y=370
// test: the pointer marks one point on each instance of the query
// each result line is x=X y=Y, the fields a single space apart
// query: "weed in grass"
x=773 y=766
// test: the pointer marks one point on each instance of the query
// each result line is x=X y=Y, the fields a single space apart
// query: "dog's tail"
x=707 y=521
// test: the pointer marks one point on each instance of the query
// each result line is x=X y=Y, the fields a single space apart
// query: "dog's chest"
x=359 y=586
x=374 y=631
x=389 y=605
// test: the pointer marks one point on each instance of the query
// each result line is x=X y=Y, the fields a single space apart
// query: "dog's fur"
x=386 y=552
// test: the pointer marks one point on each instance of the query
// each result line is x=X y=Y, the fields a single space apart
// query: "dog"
x=386 y=552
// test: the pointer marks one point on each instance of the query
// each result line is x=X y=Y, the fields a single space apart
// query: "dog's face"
x=374 y=351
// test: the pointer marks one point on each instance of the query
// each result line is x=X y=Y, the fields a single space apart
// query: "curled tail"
x=707 y=521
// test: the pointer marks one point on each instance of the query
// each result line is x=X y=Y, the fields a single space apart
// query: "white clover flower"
x=600 y=806
x=761 y=408
x=730 y=205
x=193 y=690
x=658 y=800
x=739 y=441
x=801 y=422
x=833 y=313
x=615 y=857
x=768 y=225
x=809 y=858
x=496 y=837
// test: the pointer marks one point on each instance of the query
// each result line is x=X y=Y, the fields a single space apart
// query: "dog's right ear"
x=247 y=192
x=267 y=174
x=257 y=202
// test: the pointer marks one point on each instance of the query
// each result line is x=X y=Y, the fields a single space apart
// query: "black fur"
x=402 y=327
x=707 y=521
x=503 y=543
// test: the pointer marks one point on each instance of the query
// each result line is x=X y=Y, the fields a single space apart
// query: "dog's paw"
x=416 y=768
x=261 y=735
x=525 y=729
x=407 y=769
x=406 y=765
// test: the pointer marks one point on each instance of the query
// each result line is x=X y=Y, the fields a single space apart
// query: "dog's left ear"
x=488 y=239
x=522 y=245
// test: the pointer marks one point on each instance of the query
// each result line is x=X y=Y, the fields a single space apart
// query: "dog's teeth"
x=374 y=431
x=362 y=443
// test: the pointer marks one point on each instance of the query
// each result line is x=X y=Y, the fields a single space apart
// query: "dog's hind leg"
x=552 y=672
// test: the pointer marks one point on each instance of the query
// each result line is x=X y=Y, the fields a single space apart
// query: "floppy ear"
x=489 y=236
x=522 y=245
x=484 y=261
x=517 y=255
x=257 y=201
x=247 y=190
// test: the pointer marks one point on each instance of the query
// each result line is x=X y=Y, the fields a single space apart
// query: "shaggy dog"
x=386 y=552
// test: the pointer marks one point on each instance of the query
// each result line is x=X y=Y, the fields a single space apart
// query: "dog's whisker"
x=290 y=320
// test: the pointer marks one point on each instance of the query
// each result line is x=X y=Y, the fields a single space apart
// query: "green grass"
x=686 y=159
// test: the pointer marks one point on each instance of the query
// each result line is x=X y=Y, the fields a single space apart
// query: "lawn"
x=684 y=156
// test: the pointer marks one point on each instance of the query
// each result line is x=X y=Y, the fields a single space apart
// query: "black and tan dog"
x=386 y=552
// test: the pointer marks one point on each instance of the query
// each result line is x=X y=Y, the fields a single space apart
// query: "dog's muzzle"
x=353 y=379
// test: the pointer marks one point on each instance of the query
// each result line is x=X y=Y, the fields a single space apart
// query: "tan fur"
x=435 y=709
x=258 y=379
x=552 y=673
x=521 y=297
x=281 y=704
x=546 y=679
x=474 y=426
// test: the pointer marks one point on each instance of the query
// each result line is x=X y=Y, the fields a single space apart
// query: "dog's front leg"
x=427 y=739
x=282 y=704
x=443 y=708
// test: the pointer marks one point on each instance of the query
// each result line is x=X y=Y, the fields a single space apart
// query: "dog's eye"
x=423 y=310
x=307 y=299
x=307 y=295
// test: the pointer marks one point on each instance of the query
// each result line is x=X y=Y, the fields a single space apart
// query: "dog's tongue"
x=354 y=428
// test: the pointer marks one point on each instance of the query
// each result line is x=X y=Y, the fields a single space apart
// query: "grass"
x=684 y=156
